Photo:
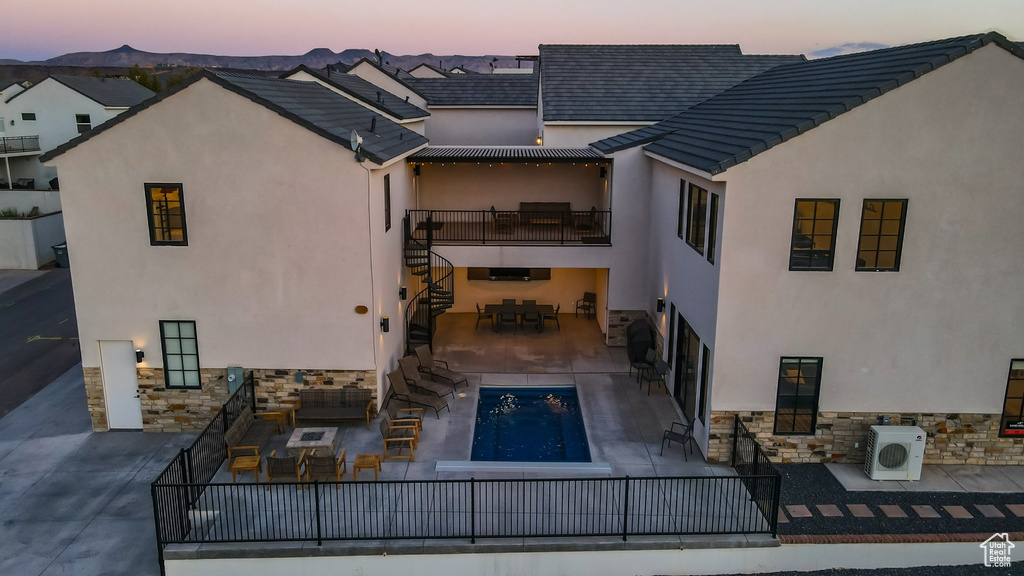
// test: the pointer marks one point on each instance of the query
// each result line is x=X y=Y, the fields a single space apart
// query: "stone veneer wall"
x=952 y=438
x=94 y=397
x=618 y=321
x=276 y=389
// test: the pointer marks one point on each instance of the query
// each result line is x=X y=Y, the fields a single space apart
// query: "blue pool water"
x=530 y=425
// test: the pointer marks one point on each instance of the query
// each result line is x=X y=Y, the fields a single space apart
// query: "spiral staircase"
x=434 y=291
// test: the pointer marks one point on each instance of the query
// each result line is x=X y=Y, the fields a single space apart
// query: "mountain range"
x=126 y=56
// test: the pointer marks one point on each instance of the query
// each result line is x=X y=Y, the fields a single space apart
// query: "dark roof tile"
x=479 y=90
x=110 y=92
x=367 y=92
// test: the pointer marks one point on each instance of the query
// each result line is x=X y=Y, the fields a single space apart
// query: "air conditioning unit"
x=895 y=453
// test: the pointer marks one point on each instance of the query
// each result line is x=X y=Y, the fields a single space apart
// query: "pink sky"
x=40 y=29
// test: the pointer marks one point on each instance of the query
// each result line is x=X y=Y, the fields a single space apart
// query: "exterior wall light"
x=385 y=324
x=540 y=140
x=661 y=304
x=139 y=355
x=403 y=292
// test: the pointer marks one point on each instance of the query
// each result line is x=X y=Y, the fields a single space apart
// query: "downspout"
x=369 y=239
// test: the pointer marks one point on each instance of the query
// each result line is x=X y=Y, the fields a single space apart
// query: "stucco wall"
x=565 y=287
x=584 y=134
x=939 y=334
x=278 y=256
x=25 y=200
x=26 y=244
x=470 y=186
x=482 y=126
x=376 y=76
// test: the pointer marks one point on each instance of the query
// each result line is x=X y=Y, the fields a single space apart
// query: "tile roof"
x=110 y=92
x=366 y=92
x=308 y=104
x=640 y=82
x=479 y=90
x=504 y=153
x=789 y=100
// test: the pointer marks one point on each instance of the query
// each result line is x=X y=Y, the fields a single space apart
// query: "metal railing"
x=763 y=481
x=512 y=227
x=11 y=144
x=462 y=509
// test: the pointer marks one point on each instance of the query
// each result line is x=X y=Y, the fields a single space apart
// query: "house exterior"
x=816 y=250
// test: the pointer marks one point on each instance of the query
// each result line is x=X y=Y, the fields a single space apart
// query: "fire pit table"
x=320 y=439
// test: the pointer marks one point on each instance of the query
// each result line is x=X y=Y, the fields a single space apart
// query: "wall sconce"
x=403 y=292
x=385 y=324
x=604 y=172
x=139 y=355
x=661 y=304
x=416 y=170
x=540 y=140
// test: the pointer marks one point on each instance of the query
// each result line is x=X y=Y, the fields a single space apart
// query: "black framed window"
x=166 y=205
x=28 y=116
x=712 y=228
x=697 y=204
x=815 y=222
x=181 y=353
x=387 y=202
x=705 y=372
x=83 y=122
x=1012 y=423
x=681 y=222
x=796 y=406
x=881 y=235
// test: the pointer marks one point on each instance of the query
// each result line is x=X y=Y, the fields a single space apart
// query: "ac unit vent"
x=894 y=456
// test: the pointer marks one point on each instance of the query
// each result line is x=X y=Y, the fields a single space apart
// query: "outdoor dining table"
x=519 y=309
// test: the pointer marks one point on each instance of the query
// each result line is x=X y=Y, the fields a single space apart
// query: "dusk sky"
x=40 y=29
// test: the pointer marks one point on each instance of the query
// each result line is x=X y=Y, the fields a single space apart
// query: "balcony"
x=19 y=144
x=512 y=227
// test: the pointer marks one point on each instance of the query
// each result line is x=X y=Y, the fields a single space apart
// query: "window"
x=83 y=122
x=705 y=369
x=1012 y=423
x=796 y=407
x=681 y=222
x=697 y=200
x=28 y=116
x=712 y=228
x=166 y=215
x=814 y=234
x=181 y=353
x=387 y=202
x=881 y=235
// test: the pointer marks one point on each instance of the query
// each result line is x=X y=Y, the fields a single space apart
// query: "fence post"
x=483 y=226
x=316 y=499
x=773 y=518
x=472 y=510
x=625 y=510
x=735 y=437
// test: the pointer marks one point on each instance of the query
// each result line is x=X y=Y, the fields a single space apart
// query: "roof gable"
x=366 y=92
x=108 y=92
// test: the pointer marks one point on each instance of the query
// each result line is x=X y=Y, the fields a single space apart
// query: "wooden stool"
x=365 y=462
x=252 y=464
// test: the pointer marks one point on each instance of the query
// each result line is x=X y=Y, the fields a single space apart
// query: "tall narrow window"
x=83 y=122
x=181 y=353
x=387 y=202
x=814 y=234
x=166 y=215
x=1013 y=406
x=697 y=203
x=705 y=370
x=881 y=235
x=796 y=406
x=681 y=222
x=712 y=227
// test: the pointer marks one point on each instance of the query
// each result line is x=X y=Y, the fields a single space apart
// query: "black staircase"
x=434 y=293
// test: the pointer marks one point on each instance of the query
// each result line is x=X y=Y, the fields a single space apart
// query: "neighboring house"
x=838 y=241
x=826 y=251
x=428 y=71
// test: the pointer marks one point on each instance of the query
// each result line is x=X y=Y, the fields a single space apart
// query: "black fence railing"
x=11 y=144
x=463 y=509
x=512 y=227
x=762 y=480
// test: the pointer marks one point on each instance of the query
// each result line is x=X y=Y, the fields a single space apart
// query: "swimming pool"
x=530 y=424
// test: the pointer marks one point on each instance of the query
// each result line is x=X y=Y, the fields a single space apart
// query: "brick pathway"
x=895 y=511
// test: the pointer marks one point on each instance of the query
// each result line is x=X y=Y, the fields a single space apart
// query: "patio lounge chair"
x=392 y=442
x=410 y=368
x=553 y=316
x=588 y=304
x=438 y=369
x=684 y=437
x=285 y=466
x=400 y=391
x=326 y=465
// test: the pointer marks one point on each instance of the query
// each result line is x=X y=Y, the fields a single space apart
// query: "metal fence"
x=12 y=144
x=761 y=478
x=463 y=509
x=512 y=227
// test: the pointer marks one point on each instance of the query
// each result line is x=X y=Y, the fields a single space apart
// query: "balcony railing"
x=11 y=144
x=513 y=226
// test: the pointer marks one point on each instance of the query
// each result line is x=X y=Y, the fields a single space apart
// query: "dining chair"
x=507 y=317
x=529 y=303
x=481 y=315
x=553 y=316
x=508 y=301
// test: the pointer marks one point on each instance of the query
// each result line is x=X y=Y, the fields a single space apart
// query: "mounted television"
x=508 y=274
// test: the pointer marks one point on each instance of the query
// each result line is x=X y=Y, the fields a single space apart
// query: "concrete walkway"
x=75 y=502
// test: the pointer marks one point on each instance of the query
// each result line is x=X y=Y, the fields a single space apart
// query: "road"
x=38 y=336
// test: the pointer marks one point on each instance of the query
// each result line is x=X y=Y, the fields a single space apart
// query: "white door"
x=120 y=384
